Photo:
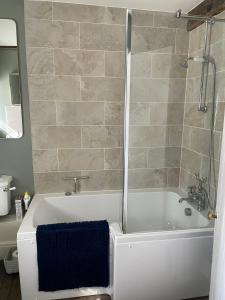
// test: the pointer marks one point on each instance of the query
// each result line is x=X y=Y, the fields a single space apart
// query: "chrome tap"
x=76 y=181
x=197 y=193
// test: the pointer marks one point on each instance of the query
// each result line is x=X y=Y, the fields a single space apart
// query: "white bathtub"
x=8 y=230
x=164 y=255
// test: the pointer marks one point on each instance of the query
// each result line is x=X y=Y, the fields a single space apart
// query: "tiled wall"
x=196 y=134
x=76 y=93
x=75 y=59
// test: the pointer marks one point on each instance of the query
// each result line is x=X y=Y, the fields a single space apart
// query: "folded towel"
x=73 y=255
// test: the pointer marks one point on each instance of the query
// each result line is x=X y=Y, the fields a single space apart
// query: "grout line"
x=58 y=158
x=79 y=39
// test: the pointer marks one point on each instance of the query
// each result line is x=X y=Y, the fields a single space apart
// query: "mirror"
x=10 y=90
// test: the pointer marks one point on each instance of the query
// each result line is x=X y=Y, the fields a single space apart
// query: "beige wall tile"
x=80 y=113
x=102 y=37
x=102 y=136
x=204 y=171
x=78 y=13
x=139 y=113
x=45 y=161
x=220 y=116
x=158 y=90
x=44 y=137
x=147 y=178
x=193 y=117
x=113 y=113
x=95 y=77
x=147 y=136
x=80 y=159
x=68 y=136
x=76 y=62
x=43 y=113
x=186 y=180
x=198 y=140
x=191 y=161
x=114 y=63
x=164 y=19
x=168 y=66
x=52 y=137
x=38 y=9
x=48 y=87
x=220 y=88
x=217 y=51
x=144 y=40
x=115 y=15
x=113 y=159
x=142 y=17
x=103 y=180
x=174 y=135
x=197 y=39
x=137 y=158
x=166 y=113
x=58 y=34
x=164 y=157
x=53 y=182
x=141 y=64
x=192 y=90
x=101 y=89
x=173 y=177
x=182 y=41
x=39 y=61
x=47 y=182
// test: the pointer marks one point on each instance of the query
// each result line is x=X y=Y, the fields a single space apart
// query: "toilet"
x=5 y=201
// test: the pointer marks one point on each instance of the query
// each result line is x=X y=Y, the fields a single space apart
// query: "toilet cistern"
x=5 y=199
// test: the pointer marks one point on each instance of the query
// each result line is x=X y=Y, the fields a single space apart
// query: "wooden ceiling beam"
x=207 y=8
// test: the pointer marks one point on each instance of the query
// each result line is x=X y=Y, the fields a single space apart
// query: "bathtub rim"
x=28 y=231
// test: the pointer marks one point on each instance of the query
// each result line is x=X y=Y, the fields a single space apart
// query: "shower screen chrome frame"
x=126 y=117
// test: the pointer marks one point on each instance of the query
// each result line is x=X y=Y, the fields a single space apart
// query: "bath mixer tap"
x=197 y=194
x=76 y=181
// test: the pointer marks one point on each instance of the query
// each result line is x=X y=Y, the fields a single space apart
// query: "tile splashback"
x=75 y=57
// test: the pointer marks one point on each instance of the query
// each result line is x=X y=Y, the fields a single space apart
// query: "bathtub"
x=8 y=230
x=164 y=255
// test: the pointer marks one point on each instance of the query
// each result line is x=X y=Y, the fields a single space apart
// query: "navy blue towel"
x=73 y=255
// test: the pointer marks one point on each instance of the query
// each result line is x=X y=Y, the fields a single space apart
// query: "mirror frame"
x=20 y=79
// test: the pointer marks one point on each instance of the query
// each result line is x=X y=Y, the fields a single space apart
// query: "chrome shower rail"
x=126 y=117
x=180 y=15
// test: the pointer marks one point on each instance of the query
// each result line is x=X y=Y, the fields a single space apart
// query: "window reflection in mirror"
x=10 y=92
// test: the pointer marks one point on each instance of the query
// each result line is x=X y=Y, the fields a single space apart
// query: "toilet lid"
x=5 y=181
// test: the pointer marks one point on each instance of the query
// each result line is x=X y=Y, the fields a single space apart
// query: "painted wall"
x=16 y=155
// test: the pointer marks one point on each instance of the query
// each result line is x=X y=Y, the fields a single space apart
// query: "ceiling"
x=157 y=5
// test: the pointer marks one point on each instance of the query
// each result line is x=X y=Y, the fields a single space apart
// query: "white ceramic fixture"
x=5 y=201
